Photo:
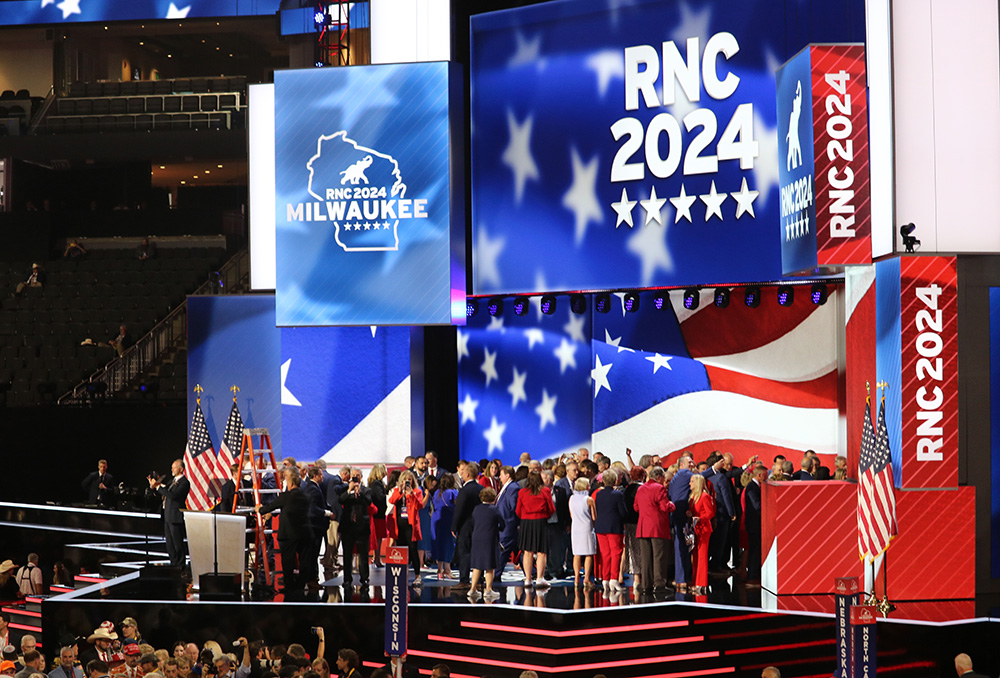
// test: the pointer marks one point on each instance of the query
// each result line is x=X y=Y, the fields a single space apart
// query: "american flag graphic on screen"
x=199 y=463
x=876 y=498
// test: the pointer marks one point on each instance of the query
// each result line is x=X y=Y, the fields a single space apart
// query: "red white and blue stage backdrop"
x=66 y=11
x=233 y=340
x=639 y=139
x=345 y=393
x=366 y=164
x=743 y=380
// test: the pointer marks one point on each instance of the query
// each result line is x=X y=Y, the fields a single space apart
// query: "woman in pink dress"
x=701 y=508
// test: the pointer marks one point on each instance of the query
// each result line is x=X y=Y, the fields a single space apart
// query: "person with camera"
x=174 y=495
x=294 y=530
x=355 y=527
x=405 y=501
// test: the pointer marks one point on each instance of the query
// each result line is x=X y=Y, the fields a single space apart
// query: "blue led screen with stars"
x=21 y=12
x=579 y=148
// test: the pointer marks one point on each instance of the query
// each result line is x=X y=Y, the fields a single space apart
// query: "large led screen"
x=65 y=11
x=365 y=159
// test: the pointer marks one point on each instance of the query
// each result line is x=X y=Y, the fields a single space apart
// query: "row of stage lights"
x=818 y=294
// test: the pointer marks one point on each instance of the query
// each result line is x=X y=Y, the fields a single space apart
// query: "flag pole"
x=884 y=605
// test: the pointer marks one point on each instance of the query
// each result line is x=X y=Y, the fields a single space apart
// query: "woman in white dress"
x=583 y=514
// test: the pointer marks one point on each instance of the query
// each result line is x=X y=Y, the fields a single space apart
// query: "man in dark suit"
x=318 y=520
x=355 y=528
x=432 y=465
x=725 y=511
x=99 y=485
x=294 y=531
x=174 y=495
x=461 y=524
x=227 y=495
x=804 y=468
x=506 y=504
x=963 y=667
x=753 y=525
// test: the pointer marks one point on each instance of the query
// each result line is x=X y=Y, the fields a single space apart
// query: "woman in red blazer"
x=534 y=506
x=701 y=508
x=653 y=531
x=403 y=517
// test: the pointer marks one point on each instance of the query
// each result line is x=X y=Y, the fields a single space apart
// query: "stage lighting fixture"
x=548 y=304
x=692 y=297
x=631 y=302
x=786 y=295
x=658 y=302
x=471 y=308
x=751 y=296
x=578 y=303
x=495 y=306
x=909 y=242
x=819 y=294
x=602 y=302
x=319 y=18
x=521 y=305
x=721 y=297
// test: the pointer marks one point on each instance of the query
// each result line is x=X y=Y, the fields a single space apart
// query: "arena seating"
x=16 y=110
x=41 y=356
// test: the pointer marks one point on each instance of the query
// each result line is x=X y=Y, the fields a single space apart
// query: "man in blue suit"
x=725 y=511
x=507 y=508
x=679 y=491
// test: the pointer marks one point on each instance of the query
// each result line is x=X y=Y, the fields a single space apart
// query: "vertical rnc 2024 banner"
x=368 y=199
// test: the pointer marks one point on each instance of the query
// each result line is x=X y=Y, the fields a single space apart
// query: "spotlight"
x=658 y=302
x=631 y=302
x=521 y=305
x=319 y=18
x=786 y=295
x=548 y=304
x=578 y=303
x=819 y=294
x=721 y=297
x=602 y=302
x=471 y=308
x=692 y=297
x=909 y=242
x=495 y=306
x=751 y=296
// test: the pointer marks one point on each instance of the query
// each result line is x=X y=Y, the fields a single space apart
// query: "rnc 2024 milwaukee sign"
x=363 y=196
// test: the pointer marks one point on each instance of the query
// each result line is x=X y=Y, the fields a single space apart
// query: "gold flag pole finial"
x=199 y=390
x=235 y=389
x=868 y=387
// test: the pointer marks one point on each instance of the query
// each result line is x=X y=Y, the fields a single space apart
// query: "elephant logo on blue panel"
x=361 y=192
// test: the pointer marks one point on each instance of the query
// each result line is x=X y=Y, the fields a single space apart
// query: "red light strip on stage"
x=428 y=672
x=61 y=589
x=92 y=580
x=566 y=650
x=782 y=629
x=787 y=646
x=906 y=667
x=691 y=674
x=18 y=610
x=742 y=617
x=25 y=627
x=33 y=599
x=574 y=667
x=577 y=632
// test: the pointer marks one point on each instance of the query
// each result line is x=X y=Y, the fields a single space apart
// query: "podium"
x=203 y=528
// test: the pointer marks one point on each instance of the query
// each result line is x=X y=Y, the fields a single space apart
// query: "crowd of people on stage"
x=583 y=517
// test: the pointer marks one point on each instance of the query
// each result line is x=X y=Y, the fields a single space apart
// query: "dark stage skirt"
x=533 y=535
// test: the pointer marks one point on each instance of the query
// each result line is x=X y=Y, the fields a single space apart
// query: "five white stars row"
x=70 y=7
x=682 y=205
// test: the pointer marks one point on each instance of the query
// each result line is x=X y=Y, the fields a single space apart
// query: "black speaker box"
x=221 y=586
x=161 y=582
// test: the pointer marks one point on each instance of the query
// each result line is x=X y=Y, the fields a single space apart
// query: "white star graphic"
x=566 y=354
x=517 y=155
x=616 y=342
x=713 y=202
x=624 y=209
x=607 y=64
x=765 y=165
x=650 y=245
x=69 y=7
x=653 y=207
x=526 y=51
x=621 y=298
x=600 y=376
x=374 y=328
x=174 y=13
x=744 y=200
x=534 y=336
x=574 y=328
x=496 y=325
x=463 y=345
x=546 y=410
x=660 y=361
x=468 y=409
x=494 y=436
x=286 y=396
x=516 y=388
x=46 y=3
x=487 y=253
x=682 y=205
x=489 y=366
x=581 y=198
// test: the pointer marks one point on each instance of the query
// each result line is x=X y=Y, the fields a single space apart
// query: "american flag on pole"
x=232 y=442
x=876 y=498
x=199 y=463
